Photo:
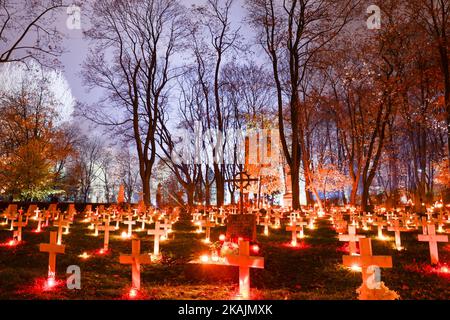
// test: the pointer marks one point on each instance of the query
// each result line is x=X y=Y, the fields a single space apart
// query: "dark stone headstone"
x=241 y=226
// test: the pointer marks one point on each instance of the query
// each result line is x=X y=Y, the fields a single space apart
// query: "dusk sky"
x=77 y=48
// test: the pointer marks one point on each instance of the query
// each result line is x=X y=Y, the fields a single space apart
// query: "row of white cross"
x=55 y=245
x=364 y=260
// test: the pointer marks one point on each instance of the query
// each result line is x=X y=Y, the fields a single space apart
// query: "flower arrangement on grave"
x=228 y=248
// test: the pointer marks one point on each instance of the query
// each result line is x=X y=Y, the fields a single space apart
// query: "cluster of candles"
x=214 y=257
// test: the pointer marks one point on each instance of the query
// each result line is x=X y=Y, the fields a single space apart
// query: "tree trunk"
x=344 y=198
x=190 y=192
x=295 y=178
x=232 y=197
x=365 y=198
x=207 y=194
x=220 y=186
x=446 y=73
x=354 y=192
x=146 y=188
x=309 y=198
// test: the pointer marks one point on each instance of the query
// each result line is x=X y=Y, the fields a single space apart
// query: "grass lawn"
x=311 y=271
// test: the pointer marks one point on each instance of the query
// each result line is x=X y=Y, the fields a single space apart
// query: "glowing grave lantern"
x=84 y=255
x=255 y=248
x=135 y=259
x=433 y=239
x=133 y=293
x=204 y=258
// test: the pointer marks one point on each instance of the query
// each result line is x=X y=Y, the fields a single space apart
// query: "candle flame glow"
x=50 y=282
x=355 y=268
x=133 y=293
x=84 y=255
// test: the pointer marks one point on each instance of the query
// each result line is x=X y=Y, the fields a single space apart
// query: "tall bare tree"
x=434 y=17
x=26 y=31
x=134 y=44
x=213 y=38
x=293 y=31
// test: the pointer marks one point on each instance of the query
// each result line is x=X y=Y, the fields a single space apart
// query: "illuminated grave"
x=53 y=249
x=433 y=239
x=351 y=238
x=130 y=224
x=371 y=288
x=19 y=224
x=397 y=229
x=244 y=261
x=135 y=259
x=157 y=233
x=61 y=223
x=106 y=228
